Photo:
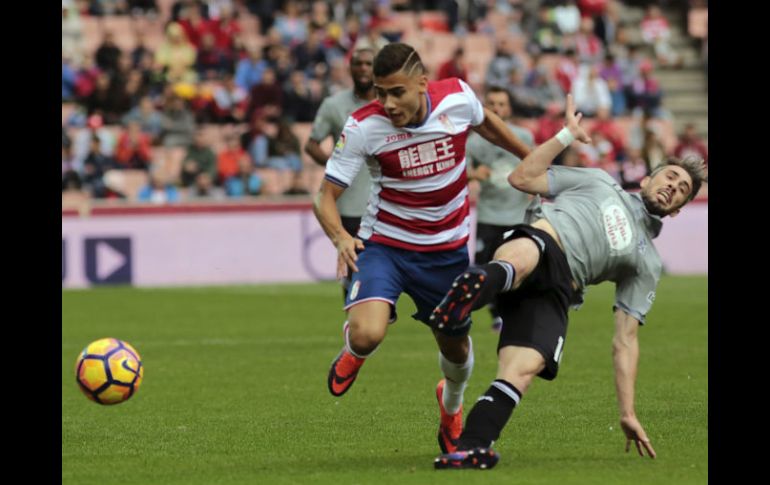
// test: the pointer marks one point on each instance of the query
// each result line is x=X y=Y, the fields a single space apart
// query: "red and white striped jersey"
x=419 y=196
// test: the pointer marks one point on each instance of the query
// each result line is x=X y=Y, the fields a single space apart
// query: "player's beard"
x=652 y=205
x=362 y=88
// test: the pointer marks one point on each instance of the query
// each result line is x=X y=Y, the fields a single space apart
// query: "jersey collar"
x=427 y=114
x=652 y=222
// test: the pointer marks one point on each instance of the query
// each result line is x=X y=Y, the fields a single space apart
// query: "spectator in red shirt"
x=549 y=124
x=454 y=67
x=195 y=25
x=133 y=150
x=212 y=60
x=227 y=31
x=592 y=8
x=610 y=130
x=229 y=159
x=567 y=70
x=268 y=91
x=690 y=144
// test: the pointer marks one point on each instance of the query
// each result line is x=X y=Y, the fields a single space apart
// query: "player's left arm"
x=625 y=358
x=494 y=130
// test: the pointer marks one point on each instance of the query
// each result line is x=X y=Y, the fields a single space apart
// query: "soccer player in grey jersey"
x=593 y=231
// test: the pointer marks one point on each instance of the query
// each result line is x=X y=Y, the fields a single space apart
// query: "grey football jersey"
x=330 y=120
x=606 y=232
x=499 y=203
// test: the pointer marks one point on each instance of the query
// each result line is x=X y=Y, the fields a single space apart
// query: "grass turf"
x=234 y=392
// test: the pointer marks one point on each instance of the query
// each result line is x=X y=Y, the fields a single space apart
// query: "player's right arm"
x=325 y=209
x=633 y=299
x=625 y=359
x=345 y=162
x=531 y=174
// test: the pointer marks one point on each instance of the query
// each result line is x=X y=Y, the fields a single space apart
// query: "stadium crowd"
x=209 y=101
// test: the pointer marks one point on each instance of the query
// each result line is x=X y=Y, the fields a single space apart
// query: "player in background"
x=499 y=206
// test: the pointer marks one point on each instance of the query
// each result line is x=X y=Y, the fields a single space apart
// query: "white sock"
x=457 y=376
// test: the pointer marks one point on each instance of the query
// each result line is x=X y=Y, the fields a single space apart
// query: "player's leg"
x=531 y=347
x=477 y=286
x=367 y=326
x=456 y=363
x=370 y=304
x=488 y=238
x=517 y=367
x=531 y=344
x=429 y=276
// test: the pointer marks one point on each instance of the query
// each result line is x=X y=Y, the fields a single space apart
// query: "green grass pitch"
x=234 y=392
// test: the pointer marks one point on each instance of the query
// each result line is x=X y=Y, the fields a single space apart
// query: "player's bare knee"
x=520 y=376
x=365 y=338
x=519 y=366
x=520 y=381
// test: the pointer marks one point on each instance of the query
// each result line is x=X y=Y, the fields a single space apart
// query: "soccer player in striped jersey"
x=413 y=236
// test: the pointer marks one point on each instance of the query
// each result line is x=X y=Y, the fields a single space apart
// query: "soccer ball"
x=109 y=371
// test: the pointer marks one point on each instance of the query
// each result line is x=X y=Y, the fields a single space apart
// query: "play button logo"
x=108 y=260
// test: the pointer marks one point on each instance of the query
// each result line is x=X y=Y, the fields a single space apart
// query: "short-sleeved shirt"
x=419 y=197
x=329 y=121
x=606 y=232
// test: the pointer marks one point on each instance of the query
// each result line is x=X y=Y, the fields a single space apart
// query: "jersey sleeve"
x=348 y=156
x=635 y=294
x=565 y=178
x=477 y=109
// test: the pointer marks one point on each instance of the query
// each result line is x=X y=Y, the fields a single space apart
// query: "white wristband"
x=565 y=137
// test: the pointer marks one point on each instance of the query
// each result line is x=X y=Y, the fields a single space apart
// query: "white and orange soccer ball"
x=109 y=371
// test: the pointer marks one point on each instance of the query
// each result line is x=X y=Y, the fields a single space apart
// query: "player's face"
x=667 y=191
x=361 y=71
x=401 y=96
x=498 y=102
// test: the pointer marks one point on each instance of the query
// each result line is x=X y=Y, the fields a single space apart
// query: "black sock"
x=489 y=415
x=500 y=277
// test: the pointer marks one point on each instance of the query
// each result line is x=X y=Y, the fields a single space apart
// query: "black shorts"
x=488 y=238
x=535 y=315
